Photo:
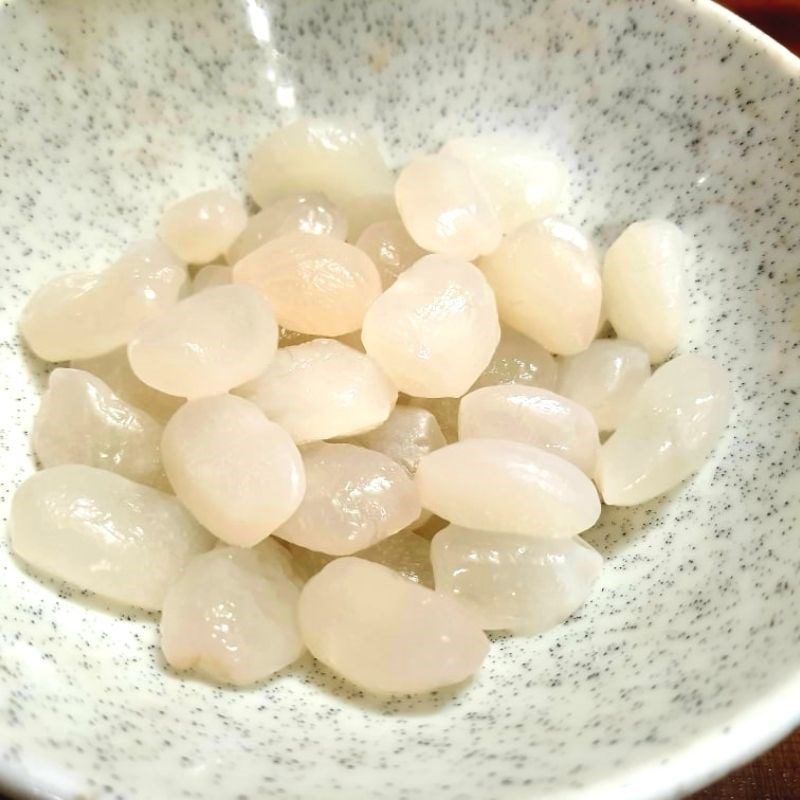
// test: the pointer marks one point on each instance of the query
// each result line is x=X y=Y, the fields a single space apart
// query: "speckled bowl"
x=686 y=660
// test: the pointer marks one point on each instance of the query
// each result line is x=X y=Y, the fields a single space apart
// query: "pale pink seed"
x=232 y=615
x=238 y=473
x=435 y=329
x=206 y=344
x=386 y=634
x=298 y=213
x=355 y=498
x=546 y=279
x=81 y=315
x=493 y=484
x=533 y=416
x=316 y=284
x=391 y=249
x=202 y=227
x=444 y=210
x=322 y=389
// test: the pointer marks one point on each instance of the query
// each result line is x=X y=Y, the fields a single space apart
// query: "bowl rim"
x=731 y=742
x=745 y=734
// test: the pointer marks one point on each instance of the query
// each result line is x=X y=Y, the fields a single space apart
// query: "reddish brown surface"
x=780 y=19
x=776 y=775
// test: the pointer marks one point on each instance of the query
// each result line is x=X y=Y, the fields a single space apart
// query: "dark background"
x=776 y=775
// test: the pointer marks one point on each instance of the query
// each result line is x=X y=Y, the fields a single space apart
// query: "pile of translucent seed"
x=365 y=421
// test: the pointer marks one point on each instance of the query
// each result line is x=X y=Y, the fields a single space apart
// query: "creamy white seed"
x=499 y=485
x=81 y=421
x=512 y=582
x=202 y=227
x=674 y=422
x=387 y=634
x=104 y=533
x=644 y=286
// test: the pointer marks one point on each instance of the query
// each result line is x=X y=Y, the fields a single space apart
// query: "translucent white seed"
x=355 y=498
x=546 y=279
x=104 y=533
x=81 y=314
x=391 y=249
x=444 y=210
x=386 y=634
x=520 y=360
x=322 y=389
x=316 y=284
x=319 y=155
x=207 y=343
x=114 y=369
x=405 y=553
x=202 y=227
x=512 y=582
x=298 y=213
x=365 y=211
x=517 y=359
x=232 y=615
x=522 y=182
x=435 y=329
x=533 y=416
x=407 y=435
x=444 y=409
x=210 y=276
x=644 y=286
x=238 y=473
x=497 y=485
x=605 y=379
x=81 y=421
x=671 y=427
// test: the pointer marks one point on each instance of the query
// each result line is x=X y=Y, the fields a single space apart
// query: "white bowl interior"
x=686 y=659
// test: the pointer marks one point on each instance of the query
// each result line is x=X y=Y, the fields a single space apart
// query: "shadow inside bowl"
x=85 y=599
x=37 y=369
x=309 y=672
x=619 y=527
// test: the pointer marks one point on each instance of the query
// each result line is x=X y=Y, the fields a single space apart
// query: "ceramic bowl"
x=686 y=660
